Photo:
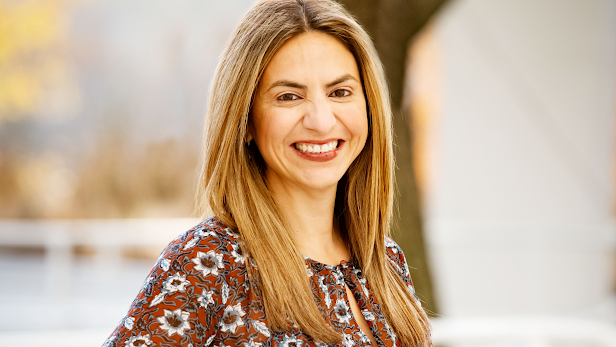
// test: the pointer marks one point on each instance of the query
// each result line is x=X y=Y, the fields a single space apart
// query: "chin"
x=322 y=182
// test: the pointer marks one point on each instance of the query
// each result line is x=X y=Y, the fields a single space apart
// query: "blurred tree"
x=32 y=38
x=392 y=24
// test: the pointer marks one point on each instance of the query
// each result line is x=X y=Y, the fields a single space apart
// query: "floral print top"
x=198 y=294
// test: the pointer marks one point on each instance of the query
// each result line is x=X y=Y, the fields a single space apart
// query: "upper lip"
x=317 y=142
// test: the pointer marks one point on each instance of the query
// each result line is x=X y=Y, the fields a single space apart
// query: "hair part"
x=231 y=183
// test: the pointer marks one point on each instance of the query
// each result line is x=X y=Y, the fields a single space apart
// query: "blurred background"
x=509 y=106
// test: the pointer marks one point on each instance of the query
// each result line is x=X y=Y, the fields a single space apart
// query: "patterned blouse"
x=198 y=294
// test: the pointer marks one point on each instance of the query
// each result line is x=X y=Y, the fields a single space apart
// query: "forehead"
x=311 y=56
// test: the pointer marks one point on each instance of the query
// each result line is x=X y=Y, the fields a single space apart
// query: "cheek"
x=356 y=121
x=272 y=129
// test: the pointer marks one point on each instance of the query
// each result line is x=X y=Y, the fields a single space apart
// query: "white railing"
x=106 y=237
x=98 y=233
x=526 y=331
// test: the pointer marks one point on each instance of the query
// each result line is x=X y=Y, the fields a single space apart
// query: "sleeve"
x=398 y=261
x=180 y=301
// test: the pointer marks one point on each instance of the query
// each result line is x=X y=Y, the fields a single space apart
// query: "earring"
x=248 y=149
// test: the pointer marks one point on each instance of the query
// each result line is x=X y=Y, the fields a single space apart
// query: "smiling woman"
x=298 y=174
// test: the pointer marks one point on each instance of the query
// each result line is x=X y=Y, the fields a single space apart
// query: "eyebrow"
x=287 y=83
x=291 y=84
x=341 y=79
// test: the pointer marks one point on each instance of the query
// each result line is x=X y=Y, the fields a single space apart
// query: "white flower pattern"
x=175 y=322
x=139 y=341
x=164 y=264
x=206 y=298
x=239 y=258
x=129 y=322
x=368 y=316
x=232 y=318
x=252 y=343
x=328 y=299
x=342 y=311
x=347 y=341
x=208 y=263
x=291 y=341
x=176 y=283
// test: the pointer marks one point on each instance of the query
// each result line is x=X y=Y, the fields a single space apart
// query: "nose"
x=319 y=117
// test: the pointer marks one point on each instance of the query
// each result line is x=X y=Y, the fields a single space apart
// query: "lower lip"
x=319 y=157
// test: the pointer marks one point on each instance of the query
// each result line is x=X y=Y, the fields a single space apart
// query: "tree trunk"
x=392 y=24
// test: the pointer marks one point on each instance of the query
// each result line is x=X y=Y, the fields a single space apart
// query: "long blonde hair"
x=231 y=184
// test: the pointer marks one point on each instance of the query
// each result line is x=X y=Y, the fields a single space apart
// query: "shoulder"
x=204 y=262
x=206 y=257
x=394 y=252
x=398 y=261
x=194 y=277
x=209 y=237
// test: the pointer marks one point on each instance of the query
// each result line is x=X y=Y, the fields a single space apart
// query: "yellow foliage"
x=32 y=34
x=18 y=91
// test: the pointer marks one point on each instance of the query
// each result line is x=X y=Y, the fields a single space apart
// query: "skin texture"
x=311 y=93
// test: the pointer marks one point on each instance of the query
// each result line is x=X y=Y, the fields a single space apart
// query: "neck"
x=310 y=214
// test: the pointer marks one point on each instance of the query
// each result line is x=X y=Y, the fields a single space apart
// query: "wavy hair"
x=232 y=187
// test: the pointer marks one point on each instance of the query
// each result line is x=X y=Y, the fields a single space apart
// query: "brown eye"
x=340 y=93
x=288 y=97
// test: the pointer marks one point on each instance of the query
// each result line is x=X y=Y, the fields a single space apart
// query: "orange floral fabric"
x=198 y=294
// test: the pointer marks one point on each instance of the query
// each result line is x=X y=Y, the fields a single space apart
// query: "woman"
x=298 y=173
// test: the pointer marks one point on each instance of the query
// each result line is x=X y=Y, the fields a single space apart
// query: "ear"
x=249 y=130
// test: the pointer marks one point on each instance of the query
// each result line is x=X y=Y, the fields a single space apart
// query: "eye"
x=288 y=97
x=340 y=93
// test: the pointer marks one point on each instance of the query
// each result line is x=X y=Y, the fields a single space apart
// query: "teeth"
x=328 y=147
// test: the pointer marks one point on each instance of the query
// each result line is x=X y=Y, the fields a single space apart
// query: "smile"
x=316 y=149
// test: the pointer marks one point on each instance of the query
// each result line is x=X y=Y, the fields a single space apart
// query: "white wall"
x=519 y=212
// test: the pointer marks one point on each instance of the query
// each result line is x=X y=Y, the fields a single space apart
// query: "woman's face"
x=309 y=116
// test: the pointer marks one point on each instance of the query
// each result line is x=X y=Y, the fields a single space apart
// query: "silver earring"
x=248 y=149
